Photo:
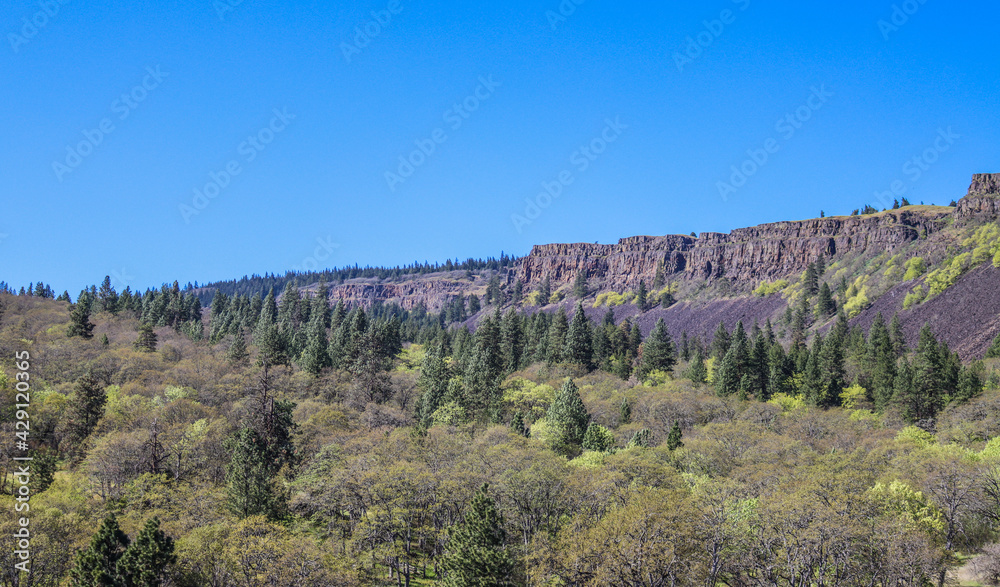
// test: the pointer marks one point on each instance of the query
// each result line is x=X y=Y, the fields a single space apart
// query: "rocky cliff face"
x=746 y=256
x=983 y=200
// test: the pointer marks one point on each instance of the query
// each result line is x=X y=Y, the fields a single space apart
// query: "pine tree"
x=658 y=352
x=249 y=477
x=598 y=438
x=557 y=337
x=896 y=334
x=145 y=561
x=79 y=315
x=811 y=280
x=544 y=291
x=580 y=285
x=625 y=412
x=474 y=305
x=994 y=350
x=107 y=297
x=238 y=353
x=659 y=278
x=641 y=438
x=477 y=553
x=568 y=414
x=85 y=409
x=518 y=294
x=685 y=350
x=104 y=341
x=579 y=340
x=778 y=371
x=881 y=359
x=518 y=426
x=640 y=296
x=674 y=438
x=433 y=383
x=697 y=371
x=97 y=566
x=832 y=369
x=316 y=355
x=926 y=398
x=970 y=382
x=720 y=342
x=824 y=302
x=820 y=265
x=512 y=340
x=146 y=342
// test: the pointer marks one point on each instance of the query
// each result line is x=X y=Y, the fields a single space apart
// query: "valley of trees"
x=281 y=440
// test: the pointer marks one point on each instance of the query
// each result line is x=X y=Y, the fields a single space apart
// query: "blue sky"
x=291 y=114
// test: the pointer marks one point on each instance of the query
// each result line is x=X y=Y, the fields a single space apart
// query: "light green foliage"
x=598 y=438
x=945 y=276
x=914 y=297
x=656 y=378
x=174 y=392
x=609 y=298
x=857 y=299
x=410 y=359
x=850 y=397
x=533 y=299
x=449 y=414
x=915 y=267
x=786 y=402
x=991 y=452
x=917 y=436
x=528 y=397
x=770 y=288
x=556 y=297
x=899 y=500
x=985 y=244
x=590 y=459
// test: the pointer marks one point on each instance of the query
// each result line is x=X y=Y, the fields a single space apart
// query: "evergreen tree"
x=720 y=342
x=811 y=280
x=580 y=285
x=433 y=383
x=640 y=296
x=625 y=412
x=250 y=479
x=685 y=350
x=544 y=291
x=658 y=279
x=820 y=265
x=79 y=315
x=85 y=409
x=778 y=371
x=238 y=353
x=824 y=302
x=598 y=438
x=658 y=352
x=926 y=398
x=641 y=438
x=832 y=369
x=518 y=294
x=881 y=359
x=896 y=334
x=512 y=340
x=104 y=341
x=145 y=561
x=146 y=342
x=568 y=414
x=518 y=426
x=697 y=371
x=674 y=438
x=107 y=297
x=474 y=305
x=316 y=355
x=320 y=305
x=579 y=340
x=994 y=350
x=557 y=337
x=477 y=553
x=903 y=391
x=97 y=566
x=735 y=364
x=970 y=382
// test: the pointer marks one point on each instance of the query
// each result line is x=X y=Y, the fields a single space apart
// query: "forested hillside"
x=287 y=440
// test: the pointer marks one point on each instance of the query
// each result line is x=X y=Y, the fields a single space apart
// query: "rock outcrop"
x=983 y=200
x=745 y=256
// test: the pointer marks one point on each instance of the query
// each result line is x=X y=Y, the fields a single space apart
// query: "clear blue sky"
x=220 y=70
